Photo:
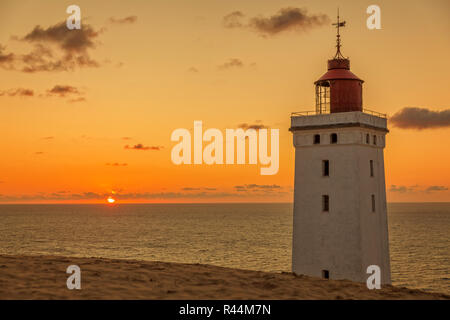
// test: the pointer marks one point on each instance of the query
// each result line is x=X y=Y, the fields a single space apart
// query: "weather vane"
x=339 y=24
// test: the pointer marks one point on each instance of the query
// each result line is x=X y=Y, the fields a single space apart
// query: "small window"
x=371 y=168
x=373 y=203
x=317 y=139
x=326 y=168
x=333 y=138
x=374 y=139
x=325 y=203
x=367 y=138
x=325 y=274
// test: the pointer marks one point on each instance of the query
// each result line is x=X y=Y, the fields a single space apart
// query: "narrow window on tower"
x=325 y=274
x=325 y=203
x=367 y=138
x=373 y=203
x=333 y=138
x=374 y=139
x=371 y=168
x=326 y=168
x=317 y=139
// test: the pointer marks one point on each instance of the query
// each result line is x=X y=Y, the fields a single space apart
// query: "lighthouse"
x=340 y=218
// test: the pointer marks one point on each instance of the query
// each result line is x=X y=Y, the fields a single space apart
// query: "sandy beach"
x=44 y=277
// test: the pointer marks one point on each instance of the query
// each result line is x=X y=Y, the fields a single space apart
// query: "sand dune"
x=44 y=277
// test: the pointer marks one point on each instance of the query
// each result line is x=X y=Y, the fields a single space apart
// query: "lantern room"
x=338 y=90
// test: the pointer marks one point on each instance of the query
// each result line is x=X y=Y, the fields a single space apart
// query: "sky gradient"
x=88 y=117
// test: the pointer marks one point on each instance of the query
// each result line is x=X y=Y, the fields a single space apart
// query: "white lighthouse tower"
x=340 y=220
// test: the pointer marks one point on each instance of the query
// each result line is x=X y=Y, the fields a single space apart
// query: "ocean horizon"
x=253 y=236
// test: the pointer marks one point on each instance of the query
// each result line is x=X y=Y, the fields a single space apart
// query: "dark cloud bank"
x=56 y=48
x=416 y=188
x=420 y=118
x=140 y=146
x=286 y=19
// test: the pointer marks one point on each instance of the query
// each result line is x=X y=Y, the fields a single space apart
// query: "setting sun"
x=111 y=200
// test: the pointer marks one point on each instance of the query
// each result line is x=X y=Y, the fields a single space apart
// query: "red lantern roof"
x=338 y=74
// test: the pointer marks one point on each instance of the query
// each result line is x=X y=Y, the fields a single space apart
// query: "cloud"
x=415 y=188
x=286 y=19
x=263 y=186
x=436 y=188
x=48 y=138
x=175 y=195
x=70 y=41
x=57 y=91
x=402 y=189
x=80 y=99
x=116 y=164
x=66 y=196
x=21 y=92
x=257 y=187
x=186 y=193
x=420 y=118
x=6 y=59
x=140 y=146
x=39 y=152
x=126 y=138
x=72 y=49
x=231 y=63
x=52 y=196
x=63 y=90
x=255 y=126
x=233 y=20
x=126 y=20
x=41 y=58
x=193 y=70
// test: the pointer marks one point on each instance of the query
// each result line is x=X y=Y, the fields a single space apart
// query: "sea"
x=246 y=236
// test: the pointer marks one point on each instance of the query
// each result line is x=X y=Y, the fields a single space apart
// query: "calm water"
x=248 y=236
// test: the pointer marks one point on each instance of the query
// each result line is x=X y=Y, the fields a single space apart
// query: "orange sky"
x=166 y=66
